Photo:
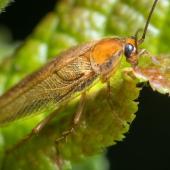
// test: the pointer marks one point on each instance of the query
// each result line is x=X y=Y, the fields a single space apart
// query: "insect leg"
x=36 y=130
x=75 y=120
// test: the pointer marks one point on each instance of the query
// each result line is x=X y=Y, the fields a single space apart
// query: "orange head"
x=107 y=53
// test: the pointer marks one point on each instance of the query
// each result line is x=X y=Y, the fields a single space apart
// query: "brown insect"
x=72 y=71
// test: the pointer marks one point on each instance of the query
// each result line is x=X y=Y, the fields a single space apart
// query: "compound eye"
x=129 y=49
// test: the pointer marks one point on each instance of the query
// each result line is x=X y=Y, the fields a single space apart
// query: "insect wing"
x=58 y=80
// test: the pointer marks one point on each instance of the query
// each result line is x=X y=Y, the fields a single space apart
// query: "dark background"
x=147 y=144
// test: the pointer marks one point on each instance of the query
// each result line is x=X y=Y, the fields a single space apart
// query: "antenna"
x=147 y=22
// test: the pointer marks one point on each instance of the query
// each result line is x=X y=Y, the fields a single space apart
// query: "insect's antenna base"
x=147 y=22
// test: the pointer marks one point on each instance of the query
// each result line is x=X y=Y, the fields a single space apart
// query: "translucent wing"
x=58 y=80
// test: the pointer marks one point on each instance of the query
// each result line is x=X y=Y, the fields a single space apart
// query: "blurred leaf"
x=4 y=3
x=7 y=46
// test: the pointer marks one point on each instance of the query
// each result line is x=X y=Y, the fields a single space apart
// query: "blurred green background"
x=74 y=21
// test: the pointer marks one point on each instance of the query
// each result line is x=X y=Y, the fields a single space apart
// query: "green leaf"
x=100 y=126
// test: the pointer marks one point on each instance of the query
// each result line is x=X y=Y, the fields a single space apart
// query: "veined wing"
x=58 y=80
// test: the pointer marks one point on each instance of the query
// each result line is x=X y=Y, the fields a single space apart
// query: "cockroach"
x=72 y=71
